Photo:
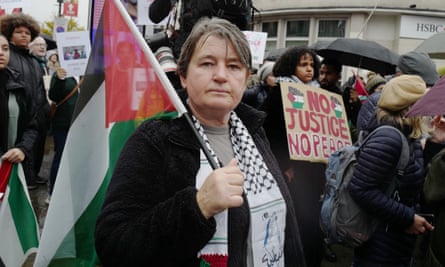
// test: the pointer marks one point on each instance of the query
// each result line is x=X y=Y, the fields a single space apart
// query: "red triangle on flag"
x=133 y=90
x=5 y=172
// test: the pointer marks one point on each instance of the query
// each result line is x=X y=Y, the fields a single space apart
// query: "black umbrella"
x=319 y=45
x=274 y=54
x=49 y=41
x=361 y=54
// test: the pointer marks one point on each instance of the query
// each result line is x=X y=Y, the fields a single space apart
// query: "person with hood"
x=393 y=242
x=18 y=128
x=375 y=83
x=255 y=95
x=20 y=29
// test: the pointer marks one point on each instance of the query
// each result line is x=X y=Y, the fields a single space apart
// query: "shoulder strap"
x=71 y=93
x=404 y=154
x=403 y=158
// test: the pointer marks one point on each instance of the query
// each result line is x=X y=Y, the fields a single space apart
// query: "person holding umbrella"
x=166 y=205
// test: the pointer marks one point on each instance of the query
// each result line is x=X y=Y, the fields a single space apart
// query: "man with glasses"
x=37 y=48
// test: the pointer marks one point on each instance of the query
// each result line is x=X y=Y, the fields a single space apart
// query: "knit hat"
x=373 y=82
x=401 y=92
x=419 y=63
x=265 y=70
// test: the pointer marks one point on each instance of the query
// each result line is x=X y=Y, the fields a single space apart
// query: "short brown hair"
x=210 y=27
x=9 y=22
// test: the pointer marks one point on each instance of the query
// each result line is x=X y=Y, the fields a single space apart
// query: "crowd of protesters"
x=406 y=237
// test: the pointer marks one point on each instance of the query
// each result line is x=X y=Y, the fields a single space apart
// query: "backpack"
x=341 y=219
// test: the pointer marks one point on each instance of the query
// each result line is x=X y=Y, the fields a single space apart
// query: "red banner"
x=133 y=90
x=70 y=9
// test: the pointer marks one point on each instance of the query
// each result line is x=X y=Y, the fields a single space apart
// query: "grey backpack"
x=341 y=219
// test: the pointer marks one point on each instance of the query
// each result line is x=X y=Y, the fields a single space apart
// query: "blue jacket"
x=372 y=175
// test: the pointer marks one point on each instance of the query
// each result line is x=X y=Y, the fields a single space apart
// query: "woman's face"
x=4 y=52
x=216 y=80
x=305 y=68
x=53 y=58
x=21 y=37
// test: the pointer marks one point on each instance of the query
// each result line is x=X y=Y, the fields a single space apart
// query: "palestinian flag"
x=19 y=231
x=123 y=85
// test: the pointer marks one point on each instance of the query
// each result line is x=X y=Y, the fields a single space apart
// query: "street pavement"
x=40 y=194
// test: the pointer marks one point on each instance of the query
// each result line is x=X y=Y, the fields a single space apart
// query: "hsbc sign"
x=420 y=27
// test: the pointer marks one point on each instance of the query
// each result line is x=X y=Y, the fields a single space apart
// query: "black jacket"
x=32 y=75
x=10 y=83
x=193 y=10
x=57 y=91
x=150 y=215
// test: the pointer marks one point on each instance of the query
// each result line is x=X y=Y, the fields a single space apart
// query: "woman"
x=255 y=95
x=20 y=29
x=305 y=179
x=61 y=87
x=17 y=126
x=53 y=63
x=392 y=244
x=166 y=207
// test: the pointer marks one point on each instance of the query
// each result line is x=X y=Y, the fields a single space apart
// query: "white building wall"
x=375 y=20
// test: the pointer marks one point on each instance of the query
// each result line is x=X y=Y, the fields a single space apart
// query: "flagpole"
x=180 y=108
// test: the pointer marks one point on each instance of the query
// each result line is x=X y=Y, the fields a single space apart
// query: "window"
x=297 y=33
x=299 y=28
x=271 y=28
x=331 y=28
x=272 y=33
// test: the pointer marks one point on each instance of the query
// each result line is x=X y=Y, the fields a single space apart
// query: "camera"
x=158 y=40
x=165 y=57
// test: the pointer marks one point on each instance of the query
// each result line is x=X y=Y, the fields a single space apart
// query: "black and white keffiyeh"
x=266 y=204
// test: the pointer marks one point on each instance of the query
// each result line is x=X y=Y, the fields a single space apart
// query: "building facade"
x=398 y=25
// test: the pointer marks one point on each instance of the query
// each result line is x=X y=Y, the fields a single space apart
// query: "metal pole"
x=60 y=7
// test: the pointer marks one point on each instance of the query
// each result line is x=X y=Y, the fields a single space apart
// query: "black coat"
x=32 y=75
x=57 y=91
x=10 y=83
x=372 y=175
x=192 y=11
x=150 y=215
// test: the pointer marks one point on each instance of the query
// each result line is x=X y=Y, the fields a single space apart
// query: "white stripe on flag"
x=82 y=170
x=11 y=249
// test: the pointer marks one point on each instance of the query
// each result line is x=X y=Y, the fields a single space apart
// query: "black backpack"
x=341 y=219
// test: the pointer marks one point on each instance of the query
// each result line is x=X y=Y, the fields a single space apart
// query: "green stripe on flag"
x=81 y=236
x=22 y=212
